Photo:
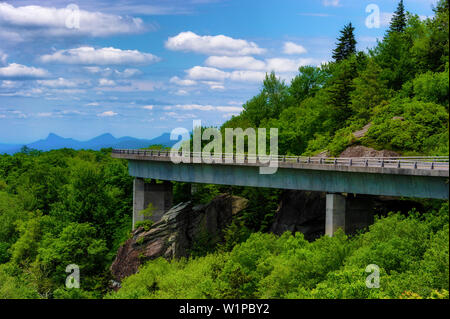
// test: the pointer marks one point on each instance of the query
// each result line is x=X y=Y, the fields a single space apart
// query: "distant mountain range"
x=54 y=141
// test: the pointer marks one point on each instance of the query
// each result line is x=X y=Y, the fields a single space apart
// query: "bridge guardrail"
x=404 y=162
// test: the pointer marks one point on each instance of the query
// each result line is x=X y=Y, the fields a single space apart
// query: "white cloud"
x=181 y=92
x=240 y=62
x=229 y=115
x=60 y=82
x=185 y=82
x=9 y=84
x=106 y=72
x=148 y=107
x=102 y=56
x=201 y=107
x=45 y=114
x=287 y=65
x=216 y=75
x=247 y=76
x=206 y=73
x=92 y=104
x=293 y=48
x=132 y=86
x=14 y=70
x=179 y=116
x=195 y=107
x=212 y=45
x=128 y=72
x=229 y=109
x=107 y=114
x=213 y=85
x=331 y=3
x=106 y=82
x=49 y=21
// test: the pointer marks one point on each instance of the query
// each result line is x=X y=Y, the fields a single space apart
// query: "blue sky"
x=141 y=68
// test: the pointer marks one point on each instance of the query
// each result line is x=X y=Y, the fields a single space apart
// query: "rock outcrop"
x=362 y=132
x=174 y=235
x=301 y=211
x=362 y=151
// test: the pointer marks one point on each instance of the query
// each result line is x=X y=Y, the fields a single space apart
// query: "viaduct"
x=418 y=177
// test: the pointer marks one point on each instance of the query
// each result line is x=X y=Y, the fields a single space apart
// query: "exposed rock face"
x=363 y=131
x=304 y=212
x=301 y=211
x=362 y=151
x=173 y=235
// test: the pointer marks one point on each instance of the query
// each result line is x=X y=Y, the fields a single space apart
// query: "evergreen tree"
x=398 y=22
x=346 y=45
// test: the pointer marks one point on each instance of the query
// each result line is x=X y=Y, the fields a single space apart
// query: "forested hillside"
x=64 y=207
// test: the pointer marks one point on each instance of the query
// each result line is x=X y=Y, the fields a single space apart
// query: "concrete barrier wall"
x=294 y=178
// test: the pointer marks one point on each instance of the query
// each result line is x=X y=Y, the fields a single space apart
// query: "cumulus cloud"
x=212 y=45
x=247 y=76
x=240 y=62
x=107 y=114
x=14 y=70
x=288 y=65
x=102 y=56
x=105 y=72
x=185 y=82
x=49 y=21
x=213 y=85
x=293 y=48
x=148 y=107
x=59 y=82
x=250 y=73
x=106 y=82
x=206 y=73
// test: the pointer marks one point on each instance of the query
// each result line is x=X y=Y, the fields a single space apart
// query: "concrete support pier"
x=160 y=195
x=335 y=213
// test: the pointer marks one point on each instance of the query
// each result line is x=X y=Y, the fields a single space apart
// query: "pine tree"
x=346 y=45
x=398 y=22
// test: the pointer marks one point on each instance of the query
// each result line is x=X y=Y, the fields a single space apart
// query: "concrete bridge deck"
x=420 y=177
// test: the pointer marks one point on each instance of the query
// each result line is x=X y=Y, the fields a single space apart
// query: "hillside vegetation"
x=74 y=207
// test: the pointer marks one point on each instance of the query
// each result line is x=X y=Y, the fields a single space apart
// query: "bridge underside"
x=299 y=179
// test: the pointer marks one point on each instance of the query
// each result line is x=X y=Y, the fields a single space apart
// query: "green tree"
x=346 y=45
x=307 y=83
x=398 y=22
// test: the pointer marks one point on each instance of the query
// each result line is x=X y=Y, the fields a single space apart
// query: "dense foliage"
x=400 y=86
x=74 y=207
x=412 y=254
x=59 y=208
